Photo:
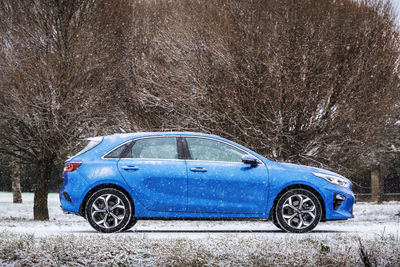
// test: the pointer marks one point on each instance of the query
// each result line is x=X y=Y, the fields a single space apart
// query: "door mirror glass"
x=249 y=159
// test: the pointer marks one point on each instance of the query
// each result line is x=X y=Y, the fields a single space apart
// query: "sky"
x=396 y=5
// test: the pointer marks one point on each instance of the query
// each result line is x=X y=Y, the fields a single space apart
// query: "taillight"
x=72 y=166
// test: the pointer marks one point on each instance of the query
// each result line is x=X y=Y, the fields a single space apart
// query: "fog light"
x=337 y=200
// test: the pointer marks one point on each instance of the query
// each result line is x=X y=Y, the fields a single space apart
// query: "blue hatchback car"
x=119 y=179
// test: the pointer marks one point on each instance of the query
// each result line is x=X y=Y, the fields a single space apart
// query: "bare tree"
x=16 y=180
x=302 y=81
x=57 y=62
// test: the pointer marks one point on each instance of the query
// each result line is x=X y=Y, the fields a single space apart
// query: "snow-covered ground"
x=370 y=219
x=377 y=227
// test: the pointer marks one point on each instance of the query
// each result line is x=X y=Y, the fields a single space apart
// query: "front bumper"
x=336 y=207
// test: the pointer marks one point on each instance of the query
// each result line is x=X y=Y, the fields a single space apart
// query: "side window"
x=154 y=148
x=211 y=150
x=117 y=153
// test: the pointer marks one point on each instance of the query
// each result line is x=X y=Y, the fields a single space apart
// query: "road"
x=370 y=220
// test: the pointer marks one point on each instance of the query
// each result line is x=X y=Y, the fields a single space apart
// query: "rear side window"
x=117 y=153
x=154 y=148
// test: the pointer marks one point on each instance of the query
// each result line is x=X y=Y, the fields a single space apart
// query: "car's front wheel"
x=298 y=211
x=109 y=210
x=275 y=220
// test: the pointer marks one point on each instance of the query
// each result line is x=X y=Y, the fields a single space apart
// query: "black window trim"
x=182 y=148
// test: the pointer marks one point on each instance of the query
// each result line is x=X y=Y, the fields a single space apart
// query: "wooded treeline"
x=311 y=82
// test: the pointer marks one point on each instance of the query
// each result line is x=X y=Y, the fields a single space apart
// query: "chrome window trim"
x=139 y=138
x=152 y=159
x=183 y=136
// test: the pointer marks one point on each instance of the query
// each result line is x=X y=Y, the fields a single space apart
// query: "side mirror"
x=249 y=159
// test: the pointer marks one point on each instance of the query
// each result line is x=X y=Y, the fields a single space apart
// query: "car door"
x=218 y=181
x=155 y=173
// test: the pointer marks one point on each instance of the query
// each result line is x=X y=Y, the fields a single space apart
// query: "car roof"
x=135 y=134
x=127 y=136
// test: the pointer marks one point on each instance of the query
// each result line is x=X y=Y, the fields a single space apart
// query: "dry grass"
x=120 y=250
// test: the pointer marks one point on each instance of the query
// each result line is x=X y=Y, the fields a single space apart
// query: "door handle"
x=198 y=169
x=130 y=168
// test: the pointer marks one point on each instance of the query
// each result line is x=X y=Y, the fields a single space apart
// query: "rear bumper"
x=71 y=193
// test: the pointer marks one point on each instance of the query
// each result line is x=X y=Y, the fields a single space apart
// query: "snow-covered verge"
x=69 y=240
x=229 y=250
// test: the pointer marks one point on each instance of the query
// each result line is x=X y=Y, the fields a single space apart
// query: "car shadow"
x=213 y=231
x=227 y=231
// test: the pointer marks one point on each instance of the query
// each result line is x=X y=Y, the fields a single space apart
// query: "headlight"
x=333 y=179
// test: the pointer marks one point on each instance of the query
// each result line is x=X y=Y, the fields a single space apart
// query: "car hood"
x=307 y=169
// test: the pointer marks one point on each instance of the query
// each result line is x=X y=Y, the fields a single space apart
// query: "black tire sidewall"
x=128 y=214
x=130 y=225
x=281 y=201
x=275 y=220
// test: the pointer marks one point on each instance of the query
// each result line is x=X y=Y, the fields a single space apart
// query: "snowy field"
x=68 y=240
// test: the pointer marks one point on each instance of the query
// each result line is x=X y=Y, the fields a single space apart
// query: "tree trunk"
x=16 y=181
x=376 y=185
x=40 y=209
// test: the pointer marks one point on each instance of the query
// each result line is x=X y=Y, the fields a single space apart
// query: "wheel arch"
x=102 y=186
x=300 y=186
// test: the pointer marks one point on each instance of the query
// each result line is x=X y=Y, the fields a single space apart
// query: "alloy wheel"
x=299 y=211
x=108 y=211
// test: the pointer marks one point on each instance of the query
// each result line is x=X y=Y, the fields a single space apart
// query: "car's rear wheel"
x=298 y=211
x=109 y=210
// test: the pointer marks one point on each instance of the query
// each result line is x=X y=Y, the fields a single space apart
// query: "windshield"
x=92 y=142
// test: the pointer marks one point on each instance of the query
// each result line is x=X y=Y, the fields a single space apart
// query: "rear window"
x=92 y=142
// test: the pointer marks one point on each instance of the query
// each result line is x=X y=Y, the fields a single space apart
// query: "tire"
x=298 y=211
x=275 y=220
x=109 y=210
x=130 y=225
